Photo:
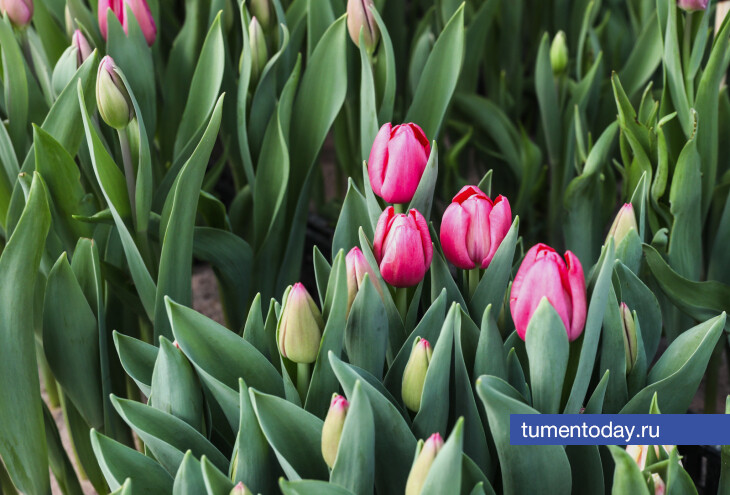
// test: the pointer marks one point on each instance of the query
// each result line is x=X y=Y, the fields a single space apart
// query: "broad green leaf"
x=586 y=469
x=137 y=358
x=386 y=67
x=489 y=358
x=22 y=436
x=423 y=197
x=547 y=98
x=644 y=58
x=613 y=355
x=366 y=334
x=311 y=487
x=368 y=109
x=441 y=278
x=215 y=481
x=15 y=86
x=673 y=68
x=642 y=300
x=353 y=216
x=189 y=477
x=627 y=477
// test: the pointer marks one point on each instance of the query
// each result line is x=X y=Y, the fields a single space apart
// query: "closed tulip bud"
x=19 y=12
x=112 y=97
x=473 y=227
x=629 y=332
x=332 y=428
x=300 y=327
x=402 y=247
x=83 y=49
x=693 y=5
x=397 y=160
x=422 y=465
x=559 y=53
x=360 y=17
x=544 y=273
x=240 y=489
x=259 y=52
x=639 y=453
x=414 y=376
x=623 y=223
x=139 y=9
x=261 y=10
x=357 y=267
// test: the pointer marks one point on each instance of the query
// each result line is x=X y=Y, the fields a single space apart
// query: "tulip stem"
x=399 y=208
x=473 y=281
x=303 y=370
x=128 y=171
x=401 y=301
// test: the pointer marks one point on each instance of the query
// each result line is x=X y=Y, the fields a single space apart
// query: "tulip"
x=261 y=10
x=140 y=10
x=259 y=52
x=623 y=223
x=360 y=17
x=543 y=273
x=300 y=327
x=397 y=161
x=402 y=247
x=629 y=333
x=240 y=489
x=559 y=54
x=422 y=464
x=112 y=97
x=357 y=267
x=19 y=12
x=83 y=49
x=692 y=5
x=473 y=227
x=414 y=376
x=334 y=422
x=639 y=452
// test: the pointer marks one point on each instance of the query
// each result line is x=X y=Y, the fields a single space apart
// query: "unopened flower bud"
x=300 y=327
x=261 y=10
x=332 y=429
x=112 y=97
x=424 y=460
x=623 y=223
x=559 y=53
x=357 y=267
x=359 y=17
x=240 y=489
x=630 y=342
x=19 y=12
x=83 y=49
x=259 y=52
x=414 y=376
x=692 y=5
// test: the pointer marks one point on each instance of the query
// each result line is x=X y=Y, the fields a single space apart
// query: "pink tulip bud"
x=397 y=161
x=300 y=326
x=140 y=10
x=692 y=5
x=422 y=464
x=240 y=489
x=83 y=49
x=112 y=97
x=357 y=267
x=473 y=227
x=19 y=12
x=543 y=273
x=402 y=247
x=332 y=428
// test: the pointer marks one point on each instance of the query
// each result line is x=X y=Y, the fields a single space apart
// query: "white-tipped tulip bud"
x=259 y=52
x=300 y=327
x=623 y=223
x=240 y=489
x=414 y=376
x=332 y=428
x=422 y=464
x=359 y=17
x=112 y=97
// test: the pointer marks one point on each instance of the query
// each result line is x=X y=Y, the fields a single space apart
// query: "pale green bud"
x=259 y=52
x=629 y=333
x=559 y=53
x=414 y=375
x=623 y=223
x=300 y=327
x=424 y=459
x=112 y=97
x=332 y=428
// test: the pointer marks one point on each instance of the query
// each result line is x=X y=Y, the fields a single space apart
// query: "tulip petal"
x=454 y=226
x=467 y=192
x=403 y=261
x=406 y=162
x=500 y=220
x=577 y=290
x=381 y=231
x=378 y=158
x=477 y=235
x=426 y=242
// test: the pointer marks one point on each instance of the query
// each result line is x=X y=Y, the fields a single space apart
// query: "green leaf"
x=293 y=433
x=423 y=197
x=368 y=108
x=439 y=77
x=118 y=462
x=586 y=469
x=353 y=216
x=613 y=355
x=644 y=59
x=386 y=57
x=546 y=341
x=674 y=76
x=15 y=86
x=642 y=300
x=22 y=435
x=165 y=435
x=489 y=358
x=215 y=481
x=58 y=460
x=366 y=334
x=547 y=98
x=311 y=487
x=319 y=16
x=137 y=358
x=70 y=329
x=189 y=477
x=441 y=279
x=355 y=464
x=444 y=476
x=627 y=477
x=521 y=465
x=677 y=374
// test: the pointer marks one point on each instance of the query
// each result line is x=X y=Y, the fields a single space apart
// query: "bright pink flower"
x=692 y=5
x=473 y=228
x=402 y=247
x=397 y=161
x=140 y=10
x=543 y=273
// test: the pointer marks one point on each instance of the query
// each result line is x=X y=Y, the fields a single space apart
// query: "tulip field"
x=421 y=218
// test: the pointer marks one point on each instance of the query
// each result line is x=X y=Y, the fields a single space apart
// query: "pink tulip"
x=357 y=267
x=543 y=273
x=692 y=5
x=402 y=247
x=83 y=49
x=140 y=10
x=473 y=228
x=19 y=12
x=397 y=161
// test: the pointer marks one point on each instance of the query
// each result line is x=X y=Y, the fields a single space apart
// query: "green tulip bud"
x=240 y=489
x=559 y=54
x=414 y=375
x=623 y=223
x=112 y=97
x=360 y=17
x=300 y=327
x=259 y=52
x=630 y=342
x=261 y=10
x=332 y=428
x=427 y=453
